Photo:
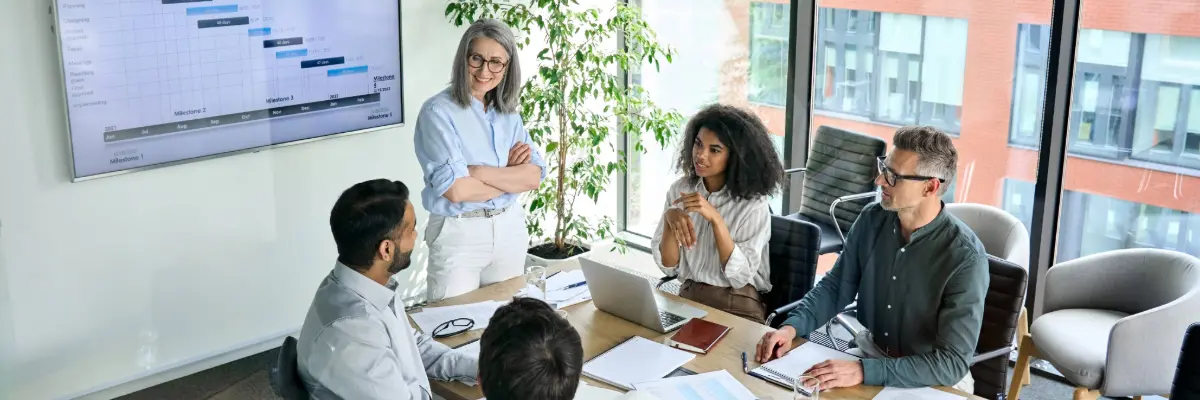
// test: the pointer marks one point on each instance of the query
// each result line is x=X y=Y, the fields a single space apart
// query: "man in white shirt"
x=356 y=342
x=528 y=352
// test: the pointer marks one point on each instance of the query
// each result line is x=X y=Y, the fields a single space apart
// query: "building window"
x=1093 y=223
x=1167 y=129
x=1018 y=200
x=1102 y=106
x=768 y=53
x=899 y=69
x=846 y=61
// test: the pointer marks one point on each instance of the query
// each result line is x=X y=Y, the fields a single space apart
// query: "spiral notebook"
x=784 y=370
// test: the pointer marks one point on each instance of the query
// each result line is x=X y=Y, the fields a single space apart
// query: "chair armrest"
x=664 y=280
x=790 y=171
x=1003 y=351
x=1085 y=282
x=784 y=311
x=839 y=200
x=1143 y=349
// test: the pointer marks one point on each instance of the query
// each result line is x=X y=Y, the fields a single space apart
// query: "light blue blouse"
x=449 y=138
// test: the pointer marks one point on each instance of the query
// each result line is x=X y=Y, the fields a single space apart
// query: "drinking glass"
x=535 y=282
x=806 y=387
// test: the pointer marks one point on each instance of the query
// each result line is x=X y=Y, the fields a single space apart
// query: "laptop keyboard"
x=669 y=319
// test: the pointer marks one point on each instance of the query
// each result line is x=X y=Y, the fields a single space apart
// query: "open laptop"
x=634 y=299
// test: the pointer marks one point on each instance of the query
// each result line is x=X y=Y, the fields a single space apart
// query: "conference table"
x=601 y=331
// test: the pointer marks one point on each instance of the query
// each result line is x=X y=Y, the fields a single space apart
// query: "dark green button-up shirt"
x=921 y=300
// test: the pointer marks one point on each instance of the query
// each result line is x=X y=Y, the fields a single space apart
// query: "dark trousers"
x=744 y=302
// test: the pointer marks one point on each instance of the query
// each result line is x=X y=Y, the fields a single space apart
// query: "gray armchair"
x=1002 y=234
x=1114 y=322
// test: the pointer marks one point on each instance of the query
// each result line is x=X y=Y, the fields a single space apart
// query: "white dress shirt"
x=749 y=224
x=357 y=343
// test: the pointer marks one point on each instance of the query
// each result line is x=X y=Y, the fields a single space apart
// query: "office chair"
x=839 y=180
x=792 y=254
x=1004 y=306
x=1187 y=374
x=285 y=375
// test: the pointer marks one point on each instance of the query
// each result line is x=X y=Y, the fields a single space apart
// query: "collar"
x=938 y=222
x=378 y=295
x=703 y=190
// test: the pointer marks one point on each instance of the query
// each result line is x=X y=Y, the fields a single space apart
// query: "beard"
x=400 y=263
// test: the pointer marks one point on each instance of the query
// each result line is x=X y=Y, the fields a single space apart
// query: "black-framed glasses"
x=477 y=61
x=890 y=176
x=453 y=327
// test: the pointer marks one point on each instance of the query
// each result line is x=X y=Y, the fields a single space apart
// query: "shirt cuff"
x=444 y=176
x=737 y=269
x=872 y=371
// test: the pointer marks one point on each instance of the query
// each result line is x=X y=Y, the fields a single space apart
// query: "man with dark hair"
x=356 y=342
x=920 y=276
x=528 y=352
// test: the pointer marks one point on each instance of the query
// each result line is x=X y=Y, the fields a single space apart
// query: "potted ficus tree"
x=577 y=106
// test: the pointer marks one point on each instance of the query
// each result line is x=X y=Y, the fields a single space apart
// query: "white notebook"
x=634 y=361
x=784 y=370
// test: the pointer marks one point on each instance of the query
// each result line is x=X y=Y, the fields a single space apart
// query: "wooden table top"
x=601 y=331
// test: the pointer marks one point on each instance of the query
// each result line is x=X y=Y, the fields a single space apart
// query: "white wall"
x=116 y=279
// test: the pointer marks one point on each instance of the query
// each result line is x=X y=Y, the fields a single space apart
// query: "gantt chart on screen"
x=150 y=82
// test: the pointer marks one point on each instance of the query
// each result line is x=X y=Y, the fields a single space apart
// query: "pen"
x=745 y=366
x=572 y=286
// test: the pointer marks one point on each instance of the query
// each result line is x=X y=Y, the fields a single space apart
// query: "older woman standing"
x=476 y=157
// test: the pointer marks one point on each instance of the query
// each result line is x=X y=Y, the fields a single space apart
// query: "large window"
x=1092 y=223
x=714 y=63
x=768 y=53
x=899 y=69
x=1102 y=115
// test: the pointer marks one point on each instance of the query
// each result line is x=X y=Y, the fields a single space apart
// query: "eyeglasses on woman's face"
x=494 y=65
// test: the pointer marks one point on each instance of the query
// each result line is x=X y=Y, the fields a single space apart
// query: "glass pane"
x=1143 y=197
x=732 y=53
x=931 y=67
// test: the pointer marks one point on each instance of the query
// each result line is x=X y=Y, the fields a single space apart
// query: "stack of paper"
x=430 y=317
x=558 y=292
x=718 y=385
x=634 y=361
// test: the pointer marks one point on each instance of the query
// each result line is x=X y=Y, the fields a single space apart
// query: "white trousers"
x=468 y=253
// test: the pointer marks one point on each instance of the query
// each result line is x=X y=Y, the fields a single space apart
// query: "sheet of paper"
x=718 y=385
x=915 y=394
x=564 y=279
x=430 y=317
x=564 y=298
x=634 y=361
x=802 y=358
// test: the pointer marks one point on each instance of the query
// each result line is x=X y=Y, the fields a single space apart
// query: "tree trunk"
x=560 y=190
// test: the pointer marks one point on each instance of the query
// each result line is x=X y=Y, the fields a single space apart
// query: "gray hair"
x=936 y=155
x=506 y=96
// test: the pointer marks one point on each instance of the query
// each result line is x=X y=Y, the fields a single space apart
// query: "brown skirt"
x=744 y=302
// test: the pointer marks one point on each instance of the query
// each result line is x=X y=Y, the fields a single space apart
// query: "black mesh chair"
x=792 y=254
x=839 y=180
x=1003 y=305
x=285 y=375
x=1186 y=384
x=794 y=248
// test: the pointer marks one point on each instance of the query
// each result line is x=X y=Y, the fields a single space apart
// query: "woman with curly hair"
x=714 y=231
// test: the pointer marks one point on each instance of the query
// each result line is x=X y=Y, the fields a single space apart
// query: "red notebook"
x=698 y=336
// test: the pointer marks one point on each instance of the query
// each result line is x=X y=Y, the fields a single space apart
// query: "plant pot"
x=536 y=256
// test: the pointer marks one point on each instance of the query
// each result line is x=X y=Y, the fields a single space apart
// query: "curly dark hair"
x=753 y=168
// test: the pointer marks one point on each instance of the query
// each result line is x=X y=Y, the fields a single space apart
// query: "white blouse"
x=749 y=224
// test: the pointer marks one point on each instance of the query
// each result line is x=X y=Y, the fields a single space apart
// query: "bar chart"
x=154 y=68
